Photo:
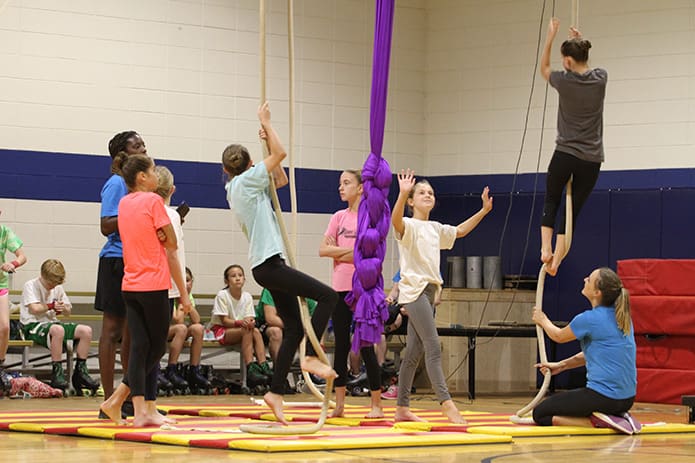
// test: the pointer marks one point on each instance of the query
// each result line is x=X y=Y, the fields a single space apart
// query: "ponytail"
x=613 y=294
x=117 y=162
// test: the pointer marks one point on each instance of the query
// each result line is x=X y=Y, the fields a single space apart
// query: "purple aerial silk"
x=367 y=296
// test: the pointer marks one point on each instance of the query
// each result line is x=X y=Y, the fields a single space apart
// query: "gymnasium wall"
x=185 y=75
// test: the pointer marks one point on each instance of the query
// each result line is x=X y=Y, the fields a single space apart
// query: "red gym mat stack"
x=662 y=299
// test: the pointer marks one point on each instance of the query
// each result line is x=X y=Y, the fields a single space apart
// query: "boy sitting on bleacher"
x=43 y=299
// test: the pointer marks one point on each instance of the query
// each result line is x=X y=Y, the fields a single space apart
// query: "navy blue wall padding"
x=635 y=226
x=678 y=219
x=630 y=214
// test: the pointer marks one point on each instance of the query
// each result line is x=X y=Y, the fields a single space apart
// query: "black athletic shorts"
x=109 y=297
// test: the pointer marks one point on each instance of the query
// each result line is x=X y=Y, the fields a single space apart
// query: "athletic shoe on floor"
x=601 y=420
x=391 y=393
x=634 y=424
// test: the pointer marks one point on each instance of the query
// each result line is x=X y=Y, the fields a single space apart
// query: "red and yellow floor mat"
x=217 y=426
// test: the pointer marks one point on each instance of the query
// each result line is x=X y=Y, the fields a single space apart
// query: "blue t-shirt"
x=113 y=190
x=610 y=355
x=249 y=199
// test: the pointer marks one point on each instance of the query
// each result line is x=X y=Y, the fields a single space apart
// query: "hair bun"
x=585 y=44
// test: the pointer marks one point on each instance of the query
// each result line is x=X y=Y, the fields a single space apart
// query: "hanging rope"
x=540 y=335
x=303 y=310
x=367 y=295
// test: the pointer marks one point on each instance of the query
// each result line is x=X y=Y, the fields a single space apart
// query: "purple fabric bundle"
x=367 y=296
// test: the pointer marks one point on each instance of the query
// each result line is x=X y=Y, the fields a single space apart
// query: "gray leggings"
x=422 y=336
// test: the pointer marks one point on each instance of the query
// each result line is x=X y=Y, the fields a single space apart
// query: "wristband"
x=238 y=323
x=16 y=263
x=51 y=305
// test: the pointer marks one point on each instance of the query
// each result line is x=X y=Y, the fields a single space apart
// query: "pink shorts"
x=4 y=292
x=219 y=331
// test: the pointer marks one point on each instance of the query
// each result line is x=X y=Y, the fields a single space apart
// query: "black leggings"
x=584 y=175
x=578 y=403
x=285 y=284
x=342 y=321
x=148 y=316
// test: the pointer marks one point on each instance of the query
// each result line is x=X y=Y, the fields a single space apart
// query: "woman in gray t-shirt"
x=579 y=144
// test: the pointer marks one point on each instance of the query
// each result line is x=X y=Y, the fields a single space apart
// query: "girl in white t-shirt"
x=419 y=243
x=234 y=322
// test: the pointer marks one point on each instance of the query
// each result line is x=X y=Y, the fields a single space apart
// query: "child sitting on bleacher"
x=179 y=331
x=233 y=322
x=43 y=299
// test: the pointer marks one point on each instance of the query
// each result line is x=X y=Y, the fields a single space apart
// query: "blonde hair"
x=52 y=270
x=165 y=181
x=613 y=294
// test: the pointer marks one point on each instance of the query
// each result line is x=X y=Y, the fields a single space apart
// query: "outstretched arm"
x=406 y=182
x=545 y=57
x=275 y=148
x=469 y=224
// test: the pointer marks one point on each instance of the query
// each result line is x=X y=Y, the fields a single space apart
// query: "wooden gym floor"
x=671 y=448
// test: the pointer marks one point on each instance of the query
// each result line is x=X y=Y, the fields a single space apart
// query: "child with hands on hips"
x=419 y=243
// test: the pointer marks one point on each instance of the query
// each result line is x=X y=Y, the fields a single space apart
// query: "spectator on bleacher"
x=607 y=340
x=150 y=263
x=234 y=322
x=43 y=300
x=179 y=331
x=269 y=322
x=8 y=242
x=338 y=243
x=109 y=298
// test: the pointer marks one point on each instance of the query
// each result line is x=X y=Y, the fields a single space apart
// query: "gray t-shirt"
x=580 y=112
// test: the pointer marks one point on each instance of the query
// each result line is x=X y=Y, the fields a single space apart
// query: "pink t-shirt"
x=140 y=215
x=343 y=228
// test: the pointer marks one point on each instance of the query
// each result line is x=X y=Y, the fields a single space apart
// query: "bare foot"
x=168 y=420
x=141 y=421
x=274 y=401
x=546 y=256
x=338 y=411
x=404 y=414
x=317 y=367
x=375 y=412
x=113 y=411
x=451 y=412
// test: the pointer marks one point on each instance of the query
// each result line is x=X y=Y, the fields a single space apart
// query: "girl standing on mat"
x=607 y=341
x=579 y=145
x=149 y=255
x=419 y=243
x=339 y=243
x=248 y=194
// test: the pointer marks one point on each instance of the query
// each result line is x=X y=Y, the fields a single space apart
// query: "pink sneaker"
x=391 y=393
x=618 y=423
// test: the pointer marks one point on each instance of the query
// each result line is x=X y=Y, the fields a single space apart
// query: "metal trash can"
x=455 y=271
x=474 y=272
x=492 y=272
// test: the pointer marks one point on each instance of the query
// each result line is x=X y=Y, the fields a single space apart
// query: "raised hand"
x=406 y=180
x=487 y=200
x=574 y=33
x=264 y=113
x=553 y=27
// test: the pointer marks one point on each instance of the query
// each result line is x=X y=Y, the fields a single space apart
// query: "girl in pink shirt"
x=338 y=243
x=149 y=255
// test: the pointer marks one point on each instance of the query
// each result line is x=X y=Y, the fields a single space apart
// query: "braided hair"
x=119 y=142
